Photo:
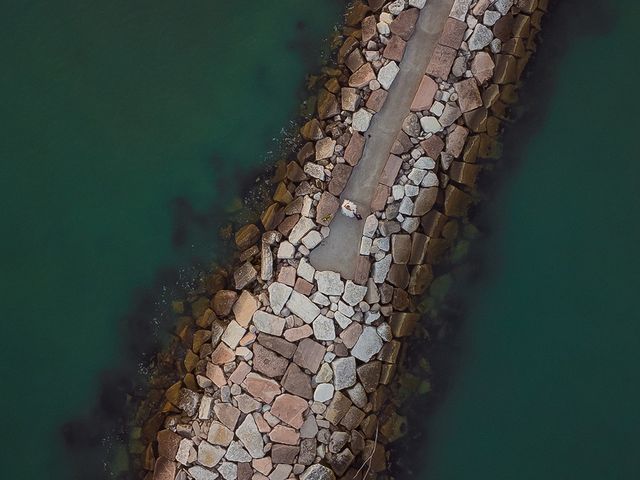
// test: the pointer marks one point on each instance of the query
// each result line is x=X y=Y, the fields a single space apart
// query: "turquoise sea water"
x=127 y=127
x=545 y=372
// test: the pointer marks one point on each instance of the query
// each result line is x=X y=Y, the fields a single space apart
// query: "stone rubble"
x=286 y=374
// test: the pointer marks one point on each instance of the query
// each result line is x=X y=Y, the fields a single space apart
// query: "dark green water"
x=127 y=128
x=547 y=361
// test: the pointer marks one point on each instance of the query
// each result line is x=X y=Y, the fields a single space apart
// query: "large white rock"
x=406 y=206
x=286 y=250
x=323 y=393
x=430 y=124
x=279 y=293
x=228 y=470
x=353 y=293
x=368 y=345
x=361 y=120
x=503 y=6
x=267 y=323
x=306 y=270
x=396 y=7
x=430 y=180
x=370 y=226
x=300 y=229
x=302 y=307
x=251 y=437
x=387 y=74
x=312 y=239
x=417 y=3
x=380 y=269
x=460 y=8
x=344 y=372
x=329 y=283
x=323 y=329
x=314 y=170
x=480 y=38
x=341 y=319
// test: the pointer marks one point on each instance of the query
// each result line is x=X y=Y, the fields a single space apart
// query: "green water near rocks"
x=127 y=127
x=545 y=383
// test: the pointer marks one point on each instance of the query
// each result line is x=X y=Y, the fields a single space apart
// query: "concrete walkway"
x=339 y=252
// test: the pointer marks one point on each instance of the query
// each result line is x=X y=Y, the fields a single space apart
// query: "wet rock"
x=327 y=105
x=338 y=408
x=223 y=301
x=369 y=375
x=482 y=67
x=164 y=469
x=325 y=148
x=312 y=130
x=244 y=275
x=421 y=278
x=350 y=99
x=403 y=323
x=247 y=236
x=469 y=96
x=425 y=201
x=361 y=77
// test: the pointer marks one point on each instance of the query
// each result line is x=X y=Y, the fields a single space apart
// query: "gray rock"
x=237 y=453
x=279 y=293
x=300 y=229
x=306 y=270
x=314 y=170
x=285 y=250
x=267 y=323
x=318 y=472
x=302 y=307
x=228 y=470
x=251 y=437
x=480 y=38
x=323 y=329
x=329 y=283
x=370 y=226
x=201 y=473
x=368 y=345
x=323 y=392
x=361 y=120
x=344 y=372
x=503 y=6
x=353 y=293
x=380 y=269
x=387 y=74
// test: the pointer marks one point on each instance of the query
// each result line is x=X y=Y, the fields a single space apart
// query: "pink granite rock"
x=424 y=96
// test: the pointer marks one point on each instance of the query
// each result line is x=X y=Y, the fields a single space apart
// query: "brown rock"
x=482 y=67
x=456 y=202
x=267 y=362
x=405 y=23
x=303 y=287
x=402 y=324
x=308 y=149
x=355 y=60
x=402 y=144
x=419 y=245
x=307 y=451
x=277 y=344
x=245 y=307
x=465 y=173
x=369 y=29
x=503 y=28
x=164 y=469
x=355 y=15
x=398 y=275
x=376 y=99
x=339 y=178
x=424 y=96
x=240 y=373
x=468 y=94
x=298 y=333
x=432 y=223
x=351 y=334
x=421 y=278
x=424 y=201
x=309 y=355
x=325 y=148
x=244 y=275
x=289 y=409
x=245 y=471
x=390 y=352
x=327 y=105
x=284 y=454
x=327 y=207
x=346 y=48
x=312 y=130
x=261 y=388
x=287 y=224
x=400 y=248
x=247 y=236
x=441 y=62
x=354 y=149
x=287 y=275
x=363 y=267
x=297 y=382
x=227 y=414
x=272 y=216
x=395 y=48
x=223 y=301
x=505 y=70
x=401 y=299
x=285 y=435
x=456 y=140
x=222 y=354
x=352 y=418
x=168 y=443
x=338 y=408
x=361 y=77
x=476 y=120
x=432 y=146
x=219 y=434
x=390 y=171
x=380 y=197
x=453 y=33
x=350 y=99
x=369 y=375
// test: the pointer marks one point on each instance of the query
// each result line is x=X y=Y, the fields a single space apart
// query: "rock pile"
x=287 y=371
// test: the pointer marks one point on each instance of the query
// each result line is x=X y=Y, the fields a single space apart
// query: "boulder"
x=368 y=345
x=340 y=176
x=250 y=437
x=327 y=105
x=354 y=149
x=246 y=236
x=453 y=33
x=441 y=61
x=395 y=48
x=469 y=97
x=362 y=119
x=405 y=23
x=424 y=96
x=223 y=301
x=387 y=75
x=327 y=208
x=361 y=77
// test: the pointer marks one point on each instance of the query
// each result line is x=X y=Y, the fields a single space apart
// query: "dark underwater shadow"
x=566 y=21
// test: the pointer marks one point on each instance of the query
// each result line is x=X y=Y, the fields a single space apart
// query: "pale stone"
x=219 y=434
x=323 y=329
x=233 y=333
x=300 y=229
x=268 y=323
x=306 y=270
x=343 y=320
x=314 y=170
x=251 y=437
x=480 y=38
x=425 y=163
x=416 y=175
x=396 y=7
x=329 y=283
x=286 y=250
x=353 y=293
x=430 y=180
x=320 y=299
x=387 y=74
x=417 y=3
x=318 y=472
x=406 y=206
x=228 y=470
x=237 y=453
x=201 y=473
x=323 y=392
x=301 y=306
x=312 y=239
x=380 y=269
x=209 y=455
x=370 y=226
x=279 y=293
x=368 y=345
x=503 y=6
x=365 y=245
x=361 y=120
x=460 y=8
x=430 y=124
x=344 y=372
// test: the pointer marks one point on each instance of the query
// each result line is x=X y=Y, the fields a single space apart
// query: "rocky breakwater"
x=288 y=370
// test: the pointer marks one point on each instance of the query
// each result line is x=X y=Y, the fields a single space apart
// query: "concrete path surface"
x=339 y=251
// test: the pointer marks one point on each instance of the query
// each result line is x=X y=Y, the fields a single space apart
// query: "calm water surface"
x=546 y=384
x=126 y=129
